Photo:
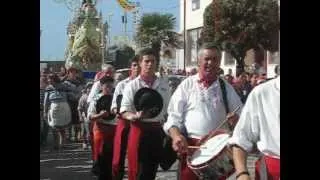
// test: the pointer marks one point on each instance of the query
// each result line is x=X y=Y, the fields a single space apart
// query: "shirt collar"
x=155 y=85
x=213 y=85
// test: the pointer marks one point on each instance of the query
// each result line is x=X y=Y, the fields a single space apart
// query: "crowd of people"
x=190 y=111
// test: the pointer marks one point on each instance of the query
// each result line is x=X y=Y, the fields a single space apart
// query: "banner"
x=126 y=5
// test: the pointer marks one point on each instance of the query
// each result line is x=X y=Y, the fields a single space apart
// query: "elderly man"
x=197 y=107
x=107 y=70
x=259 y=125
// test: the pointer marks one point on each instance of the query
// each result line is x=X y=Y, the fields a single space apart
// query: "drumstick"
x=197 y=147
x=223 y=122
x=226 y=120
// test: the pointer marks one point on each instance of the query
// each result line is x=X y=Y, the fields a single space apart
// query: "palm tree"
x=155 y=29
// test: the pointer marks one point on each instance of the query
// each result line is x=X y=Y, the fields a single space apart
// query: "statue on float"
x=83 y=51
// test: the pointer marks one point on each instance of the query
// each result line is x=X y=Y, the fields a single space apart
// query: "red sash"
x=121 y=126
x=99 y=137
x=271 y=170
x=136 y=130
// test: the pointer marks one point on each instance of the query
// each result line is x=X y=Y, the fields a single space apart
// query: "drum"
x=214 y=160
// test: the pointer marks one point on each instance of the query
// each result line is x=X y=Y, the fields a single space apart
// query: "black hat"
x=104 y=103
x=149 y=101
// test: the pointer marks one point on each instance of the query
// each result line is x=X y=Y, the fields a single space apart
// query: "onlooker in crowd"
x=75 y=87
x=85 y=123
x=57 y=109
x=254 y=80
x=63 y=74
x=243 y=87
x=43 y=120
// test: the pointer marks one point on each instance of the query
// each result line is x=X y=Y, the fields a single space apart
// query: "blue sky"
x=54 y=18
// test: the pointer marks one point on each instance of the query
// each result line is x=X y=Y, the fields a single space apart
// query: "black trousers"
x=105 y=162
x=150 y=153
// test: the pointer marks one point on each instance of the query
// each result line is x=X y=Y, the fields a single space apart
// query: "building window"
x=193 y=36
x=195 y=5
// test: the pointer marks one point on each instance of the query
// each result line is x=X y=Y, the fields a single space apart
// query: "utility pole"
x=184 y=35
x=109 y=26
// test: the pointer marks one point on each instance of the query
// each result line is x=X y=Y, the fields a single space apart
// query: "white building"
x=194 y=24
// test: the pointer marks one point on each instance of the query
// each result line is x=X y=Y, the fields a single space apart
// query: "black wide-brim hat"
x=149 y=101
x=104 y=103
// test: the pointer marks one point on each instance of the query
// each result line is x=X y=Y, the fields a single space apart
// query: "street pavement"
x=74 y=163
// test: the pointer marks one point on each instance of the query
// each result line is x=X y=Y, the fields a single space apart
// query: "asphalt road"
x=74 y=163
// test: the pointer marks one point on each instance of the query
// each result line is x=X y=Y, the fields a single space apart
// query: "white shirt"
x=260 y=120
x=94 y=91
x=133 y=86
x=92 y=110
x=118 y=91
x=197 y=109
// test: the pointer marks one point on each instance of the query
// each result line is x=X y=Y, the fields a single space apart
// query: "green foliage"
x=240 y=25
x=155 y=29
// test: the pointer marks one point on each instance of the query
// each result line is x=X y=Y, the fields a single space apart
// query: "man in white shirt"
x=107 y=70
x=197 y=107
x=145 y=135
x=103 y=130
x=259 y=124
x=122 y=129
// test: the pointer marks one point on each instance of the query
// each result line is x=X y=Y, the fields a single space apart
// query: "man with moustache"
x=122 y=129
x=196 y=107
x=146 y=134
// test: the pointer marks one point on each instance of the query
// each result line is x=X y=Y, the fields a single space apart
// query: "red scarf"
x=149 y=80
x=206 y=78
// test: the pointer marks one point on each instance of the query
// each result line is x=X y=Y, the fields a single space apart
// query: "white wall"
x=194 y=19
x=228 y=66
x=179 y=58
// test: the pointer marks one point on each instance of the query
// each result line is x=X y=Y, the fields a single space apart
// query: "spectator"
x=254 y=80
x=63 y=73
x=57 y=109
x=85 y=123
x=43 y=120
x=75 y=87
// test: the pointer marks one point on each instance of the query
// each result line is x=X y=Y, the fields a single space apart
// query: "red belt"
x=271 y=170
x=135 y=133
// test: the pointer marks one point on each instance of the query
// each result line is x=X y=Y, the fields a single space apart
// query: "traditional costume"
x=259 y=124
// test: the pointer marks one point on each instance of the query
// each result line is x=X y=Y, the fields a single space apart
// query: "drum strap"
x=224 y=95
